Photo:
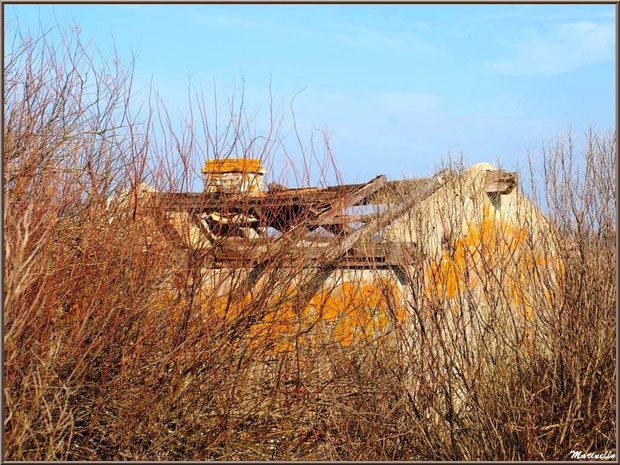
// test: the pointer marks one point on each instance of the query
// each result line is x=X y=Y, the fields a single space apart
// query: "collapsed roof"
x=316 y=229
x=325 y=225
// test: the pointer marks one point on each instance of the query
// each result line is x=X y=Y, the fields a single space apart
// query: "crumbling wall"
x=350 y=305
x=489 y=258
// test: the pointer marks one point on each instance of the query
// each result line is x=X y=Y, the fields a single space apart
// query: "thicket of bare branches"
x=117 y=344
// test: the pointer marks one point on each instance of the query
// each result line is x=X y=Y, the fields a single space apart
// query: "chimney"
x=243 y=175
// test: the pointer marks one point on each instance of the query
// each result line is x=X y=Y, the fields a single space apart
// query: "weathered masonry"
x=343 y=227
x=247 y=225
x=356 y=255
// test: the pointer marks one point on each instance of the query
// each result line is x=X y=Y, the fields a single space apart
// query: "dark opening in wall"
x=496 y=199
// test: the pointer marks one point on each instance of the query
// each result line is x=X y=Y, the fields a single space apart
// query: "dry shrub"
x=118 y=345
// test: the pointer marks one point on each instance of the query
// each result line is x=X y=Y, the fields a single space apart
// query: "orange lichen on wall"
x=357 y=311
x=493 y=253
x=350 y=312
x=233 y=165
x=275 y=329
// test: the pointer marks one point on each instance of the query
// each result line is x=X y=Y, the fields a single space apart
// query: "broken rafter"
x=252 y=251
x=373 y=227
x=340 y=219
x=336 y=253
x=330 y=213
x=281 y=244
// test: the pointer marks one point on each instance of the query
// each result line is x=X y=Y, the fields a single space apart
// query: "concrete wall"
x=492 y=255
x=449 y=213
x=474 y=246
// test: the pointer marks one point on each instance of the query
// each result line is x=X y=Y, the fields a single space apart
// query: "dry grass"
x=113 y=348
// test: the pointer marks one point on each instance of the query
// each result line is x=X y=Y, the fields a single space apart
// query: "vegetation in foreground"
x=113 y=352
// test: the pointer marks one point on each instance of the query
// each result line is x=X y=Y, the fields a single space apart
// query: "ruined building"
x=374 y=245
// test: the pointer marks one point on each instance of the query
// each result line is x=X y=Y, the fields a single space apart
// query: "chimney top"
x=233 y=165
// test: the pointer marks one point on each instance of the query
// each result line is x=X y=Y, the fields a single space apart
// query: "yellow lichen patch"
x=233 y=165
x=493 y=256
x=350 y=312
x=276 y=329
x=356 y=311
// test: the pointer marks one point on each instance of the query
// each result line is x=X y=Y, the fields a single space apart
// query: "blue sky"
x=398 y=87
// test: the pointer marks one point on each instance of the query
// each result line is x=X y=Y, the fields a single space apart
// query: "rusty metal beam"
x=302 y=229
x=373 y=227
x=334 y=256
x=283 y=244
